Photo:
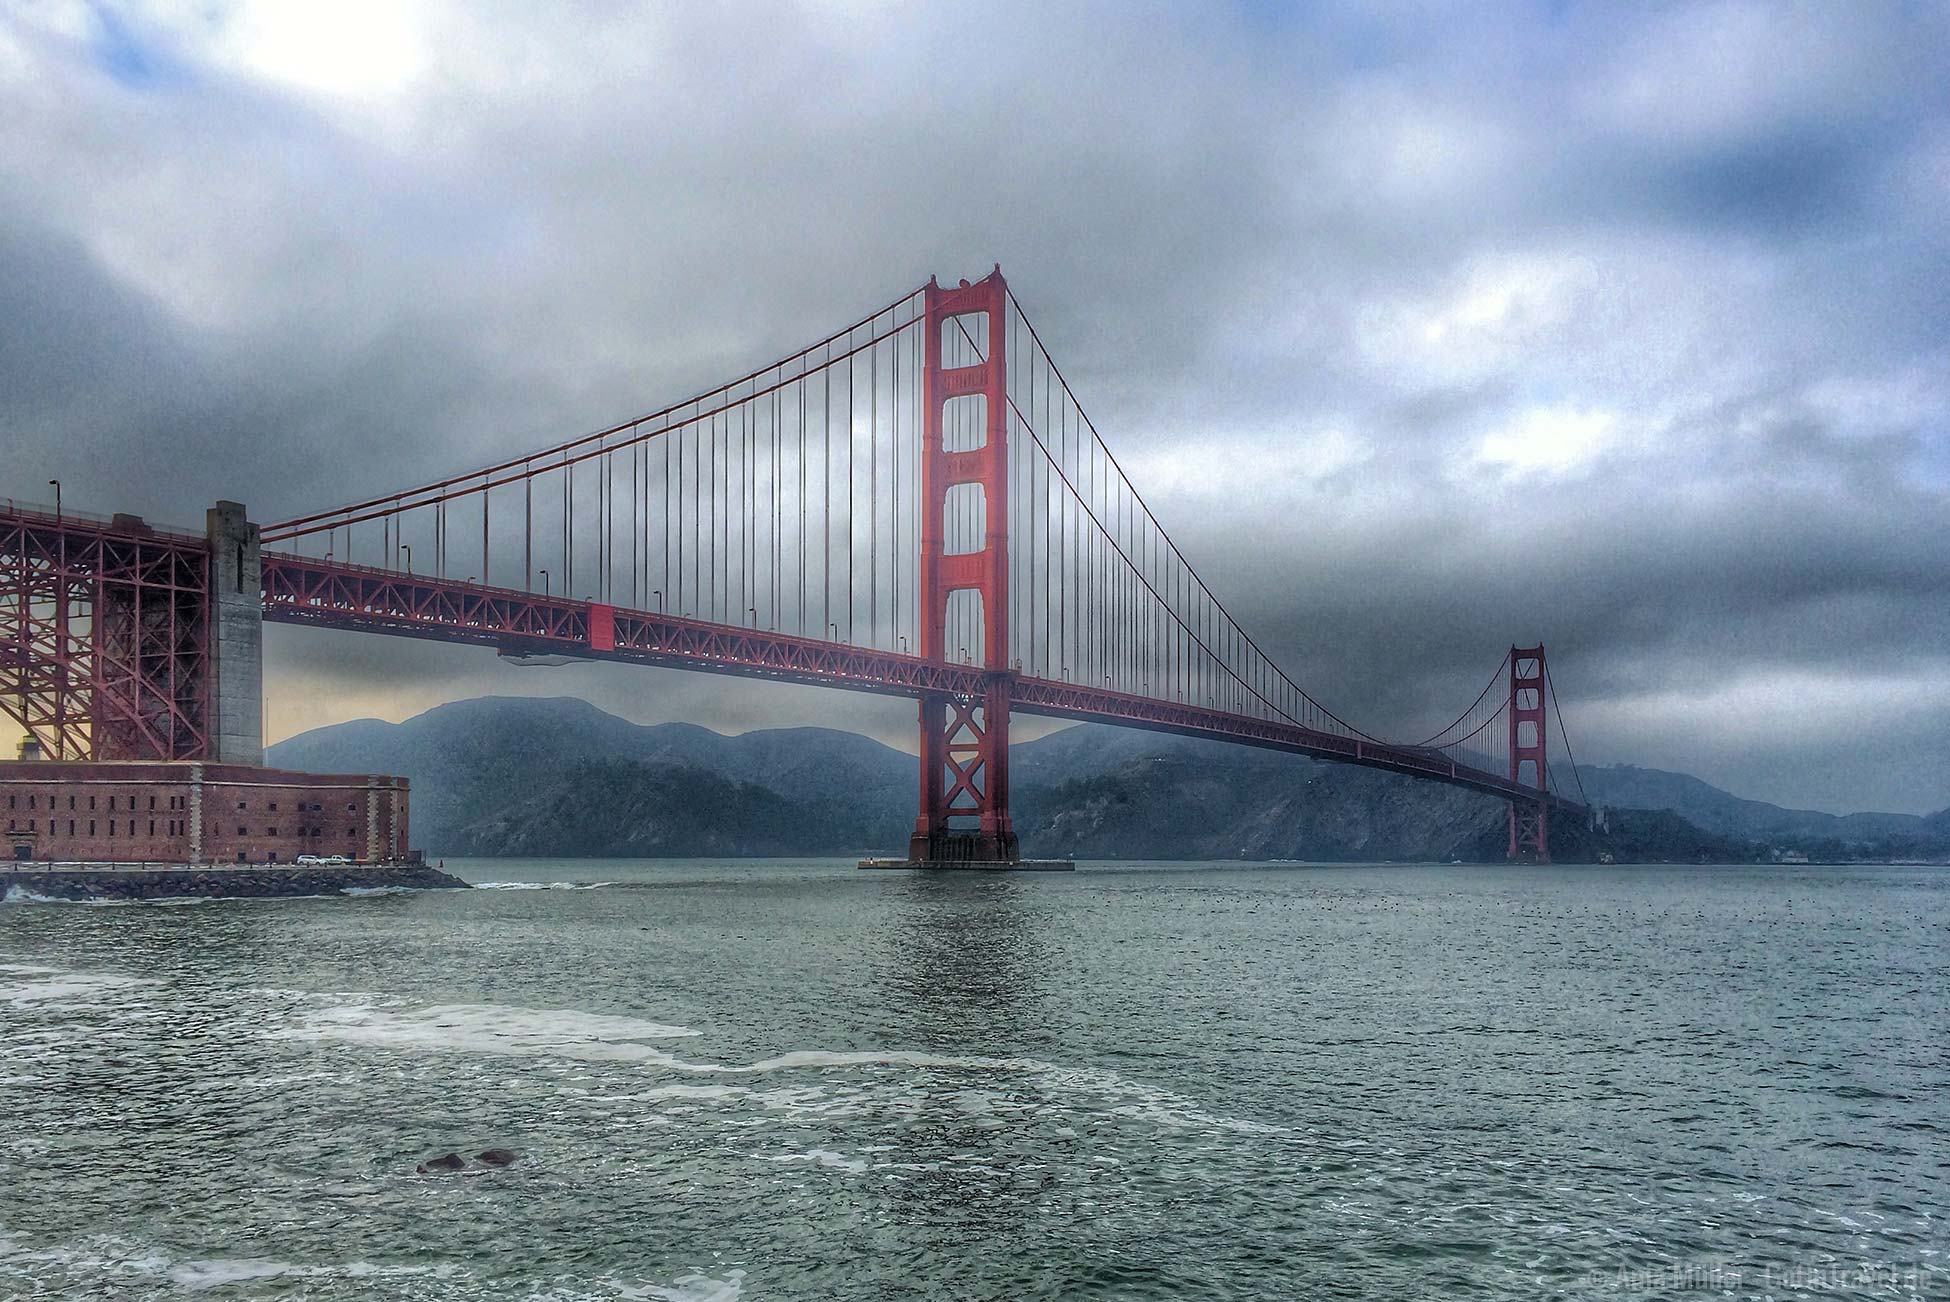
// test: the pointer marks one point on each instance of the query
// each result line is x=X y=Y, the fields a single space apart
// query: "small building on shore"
x=192 y=812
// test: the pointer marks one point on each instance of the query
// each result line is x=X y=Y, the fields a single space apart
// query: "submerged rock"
x=445 y=1162
x=496 y=1156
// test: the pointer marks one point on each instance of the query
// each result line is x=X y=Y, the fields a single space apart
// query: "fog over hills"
x=557 y=776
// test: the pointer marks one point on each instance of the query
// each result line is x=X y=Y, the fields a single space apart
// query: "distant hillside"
x=473 y=763
x=1625 y=786
x=522 y=776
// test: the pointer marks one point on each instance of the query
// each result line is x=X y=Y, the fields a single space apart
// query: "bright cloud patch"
x=1549 y=440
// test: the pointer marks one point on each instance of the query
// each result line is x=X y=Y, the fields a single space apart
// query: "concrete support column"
x=236 y=638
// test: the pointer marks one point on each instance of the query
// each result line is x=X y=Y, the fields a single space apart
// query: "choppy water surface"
x=757 y=1081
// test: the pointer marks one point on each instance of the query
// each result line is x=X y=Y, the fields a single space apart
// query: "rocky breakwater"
x=178 y=881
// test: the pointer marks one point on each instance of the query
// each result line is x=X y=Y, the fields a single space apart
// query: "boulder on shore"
x=445 y=1162
x=181 y=881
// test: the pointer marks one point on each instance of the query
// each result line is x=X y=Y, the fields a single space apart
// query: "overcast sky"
x=1626 y=327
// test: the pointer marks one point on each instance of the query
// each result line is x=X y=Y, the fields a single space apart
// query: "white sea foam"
x=102 y=1258
x=377 y=890
x=685 y=1288
x=540 y=886
x=21 y=895
x=49 y=985
x=496 y=1029
x=221 y=1272
x=491 y=1029
x=825 y=1157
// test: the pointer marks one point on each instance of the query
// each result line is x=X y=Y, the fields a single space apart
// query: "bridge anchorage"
x=916 y=505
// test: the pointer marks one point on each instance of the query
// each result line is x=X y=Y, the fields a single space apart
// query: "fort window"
x=91 y=827
x=242 y=832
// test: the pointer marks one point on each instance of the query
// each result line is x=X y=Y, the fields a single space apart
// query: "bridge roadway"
x=333 y=594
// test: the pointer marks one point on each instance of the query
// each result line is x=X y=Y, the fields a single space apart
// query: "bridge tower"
x=1529 y=822
x=964 y=804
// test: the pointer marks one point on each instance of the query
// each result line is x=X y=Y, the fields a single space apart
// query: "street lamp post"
x=57 y=497
x=544 y=583
x=408 y=549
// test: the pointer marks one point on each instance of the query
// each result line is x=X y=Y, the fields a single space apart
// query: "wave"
x=51 y=985
x=20 y=895
x=540 y=886
x=825 y=1157
x=111 y=1264
x=496 y=1029
x=685 y=1288
x=112 y=1259
x=491 y=1029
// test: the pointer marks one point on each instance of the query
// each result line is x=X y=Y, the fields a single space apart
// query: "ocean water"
x=797 y=1081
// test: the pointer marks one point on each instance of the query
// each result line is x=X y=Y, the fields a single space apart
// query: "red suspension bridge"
x=917 y=505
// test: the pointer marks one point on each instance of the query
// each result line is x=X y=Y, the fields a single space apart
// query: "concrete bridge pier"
x=236 y=684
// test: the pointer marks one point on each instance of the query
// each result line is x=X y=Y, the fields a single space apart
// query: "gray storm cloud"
x=1622 y=328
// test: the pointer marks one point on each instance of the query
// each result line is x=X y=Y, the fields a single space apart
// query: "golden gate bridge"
x=917 y=505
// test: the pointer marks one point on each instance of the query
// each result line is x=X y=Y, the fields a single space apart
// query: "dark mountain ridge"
x=557 y=776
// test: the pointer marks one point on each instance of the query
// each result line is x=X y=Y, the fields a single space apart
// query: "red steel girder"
x=302 y=590
x=104 y=636
x=1064 y=700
